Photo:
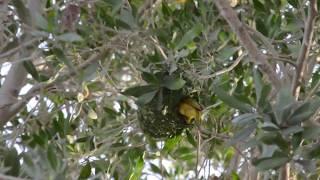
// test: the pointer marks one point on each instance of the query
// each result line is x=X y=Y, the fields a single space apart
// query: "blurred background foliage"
x=103 y=57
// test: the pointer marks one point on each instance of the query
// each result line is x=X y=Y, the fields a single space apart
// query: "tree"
x=93 y=87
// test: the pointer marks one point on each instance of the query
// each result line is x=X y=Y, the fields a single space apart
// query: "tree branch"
x=10 y=89
x=305 y=48
x=7 y=111
x=236 y=25
x=228 y=69
x=16 y=49
x=3 y=176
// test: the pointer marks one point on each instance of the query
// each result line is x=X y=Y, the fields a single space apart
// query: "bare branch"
x=10 y=89
x=282 y=59
x=263 y=39
x=228 y=69
x=3 y=176
x=7 y=111
x=236 y=25
x=306 y=45
x=16 y=49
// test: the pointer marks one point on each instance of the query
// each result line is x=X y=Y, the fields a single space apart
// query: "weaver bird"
x=190 y=110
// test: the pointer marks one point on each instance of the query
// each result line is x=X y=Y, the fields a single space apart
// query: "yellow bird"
x=190 y=109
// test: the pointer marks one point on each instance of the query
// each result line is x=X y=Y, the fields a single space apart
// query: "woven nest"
x=160 y=117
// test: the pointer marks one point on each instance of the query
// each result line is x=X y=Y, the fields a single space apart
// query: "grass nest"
x=160 y=118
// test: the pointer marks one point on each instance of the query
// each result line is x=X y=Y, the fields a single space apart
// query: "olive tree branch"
x=9 y=110
x=3 y=176
x=239 y=28
x=305 y=48
x=230 y=68
x=274 y=55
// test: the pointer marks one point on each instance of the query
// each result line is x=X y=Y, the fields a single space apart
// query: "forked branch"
x=305 y=48
x=246 y=41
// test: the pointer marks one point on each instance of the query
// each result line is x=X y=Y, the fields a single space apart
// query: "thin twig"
x=274 y=55
x=313 y=90
x=306 y=45
x=2 y=176
x=263 y=39
x=201 y=167
x=198 y=151
x=286 y=60
x=159 y=48
x=16 y=49
x=230 y=68
x=16 y=107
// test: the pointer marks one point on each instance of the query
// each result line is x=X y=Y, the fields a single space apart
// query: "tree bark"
x=9 y=92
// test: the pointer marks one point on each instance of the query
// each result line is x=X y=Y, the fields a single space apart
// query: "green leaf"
x=140 y=90
x=126 y=17
x=227 y=52
x=294 y=3
x=52 y=20
x=291 y=130
x=183 y=151
x=261 y=26
x=187 y=157
x=245 y=118
x=313 y=152
x=171 y=143
x=273 y=138
x=92 y=114
x=191 y=139
x=23 y=12
x=83 y=139
x=52 y=157
x=312 y=132
x=242 y=135
x=284 y=97
x=11 y=161
x=85 y=171
x=173 y=83
x=296 y=140
x=139 y=164
x=189 y=36
x=40 y=21
x=69 y=37
x=258 y=6
x=232 y=100
x=235 y=176
x=96 y=86
x=304 y=112
x=149 y=78
x=270 y=163
x=258 y=83
x=269 y=126
x=30 y=165
x=116 y=5
x=31 y=69
x=165 y=9
x=277 y=156
x=284 y=104
x=263 y=101
x=262 y=90
x=229 y=154
x=60 y=56
x=146 y=98
x=157 y=170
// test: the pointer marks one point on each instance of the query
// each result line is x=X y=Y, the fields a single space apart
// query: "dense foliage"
x=101 y=73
